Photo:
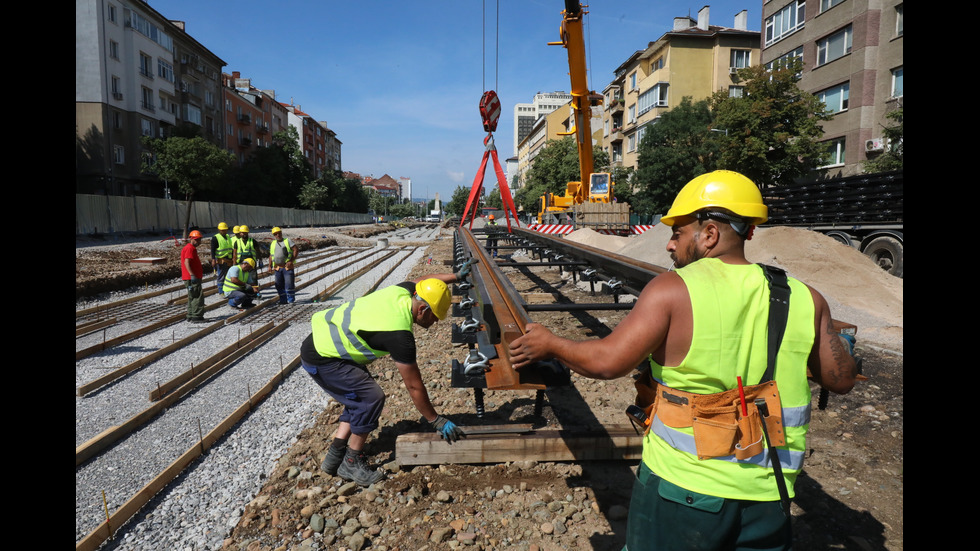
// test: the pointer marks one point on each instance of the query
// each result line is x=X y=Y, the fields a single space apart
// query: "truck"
x=595 y=188
x=865 y=211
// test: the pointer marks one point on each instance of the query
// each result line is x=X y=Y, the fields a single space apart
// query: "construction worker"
x=240 y=284
x=347 y=338
x=245 y=246
x=282 y=258
x=707 y=478
x=222 y=254
x=192 y=272
x=492 y=241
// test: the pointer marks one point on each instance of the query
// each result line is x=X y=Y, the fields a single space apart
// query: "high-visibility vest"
x=247 y=278
x=225 y=246
x=335 y=331
x=245 y=248
x=285 y=243
x=730 y=304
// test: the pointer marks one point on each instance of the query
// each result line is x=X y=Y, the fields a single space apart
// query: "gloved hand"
x=447 y=429
x=848 y=341
x=465 y=269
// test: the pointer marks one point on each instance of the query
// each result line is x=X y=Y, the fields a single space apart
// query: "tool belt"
x=223 y=261
x=720 y=428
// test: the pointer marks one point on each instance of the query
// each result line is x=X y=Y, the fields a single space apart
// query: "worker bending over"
x=707 y=478
x=241 y=285
x=347 y=338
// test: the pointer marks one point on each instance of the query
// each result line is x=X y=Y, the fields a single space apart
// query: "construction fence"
x=102 y=214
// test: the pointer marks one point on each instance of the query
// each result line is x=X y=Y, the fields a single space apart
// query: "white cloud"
x=455 y=176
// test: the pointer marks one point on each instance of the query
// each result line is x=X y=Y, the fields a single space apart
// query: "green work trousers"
x=195 y=300
x=666 y=517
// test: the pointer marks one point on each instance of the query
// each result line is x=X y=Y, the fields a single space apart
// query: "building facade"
x=317 y=141
x=555 y=125
x=252 y=116
x=526 y=114
x=852 y=54
x=694 y=59
x=137 y=74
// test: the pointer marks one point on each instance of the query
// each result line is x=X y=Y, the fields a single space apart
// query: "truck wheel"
x=887 y=253
x=841 y=237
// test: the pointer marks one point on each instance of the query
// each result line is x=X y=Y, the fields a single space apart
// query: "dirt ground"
x=850 y=495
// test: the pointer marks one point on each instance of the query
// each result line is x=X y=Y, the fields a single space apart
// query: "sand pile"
x=857 y=290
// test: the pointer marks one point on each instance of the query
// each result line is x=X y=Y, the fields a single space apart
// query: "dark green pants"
x=664 y=517
x=195 y=300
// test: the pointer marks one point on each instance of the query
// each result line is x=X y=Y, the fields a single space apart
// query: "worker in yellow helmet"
x=282 y=258
x=222 y=254
x=241 y=285
x=347 y=338
x=725 y=408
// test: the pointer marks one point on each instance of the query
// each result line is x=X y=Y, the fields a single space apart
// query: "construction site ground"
x=850 y=495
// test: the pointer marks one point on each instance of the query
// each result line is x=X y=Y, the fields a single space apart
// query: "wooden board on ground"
x=148 y=260
x=611 y=442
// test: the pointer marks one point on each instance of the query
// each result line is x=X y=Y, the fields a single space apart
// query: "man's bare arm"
x=416 y=389
x=831 y=365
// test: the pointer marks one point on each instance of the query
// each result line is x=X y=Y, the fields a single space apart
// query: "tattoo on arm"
x=840 y=354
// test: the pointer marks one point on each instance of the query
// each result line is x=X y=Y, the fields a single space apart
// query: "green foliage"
x=891 y=158
x=494 y=200
x=194 y=164
x=457 y=203
x=274 y=176
x=680 y=147
x=773 y=129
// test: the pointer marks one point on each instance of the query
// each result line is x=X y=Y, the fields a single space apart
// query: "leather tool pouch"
x=720 y=429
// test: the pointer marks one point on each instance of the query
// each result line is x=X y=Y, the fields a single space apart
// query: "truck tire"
x=887 y=253
x=841 y=237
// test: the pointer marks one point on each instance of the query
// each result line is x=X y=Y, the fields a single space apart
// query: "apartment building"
x=694 y=59
x=852 y=53
x=554 y=126
x=137 y=74
x=252 y=116
x=317 y=141
x=526 y=114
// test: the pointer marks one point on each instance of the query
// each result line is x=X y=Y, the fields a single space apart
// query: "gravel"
x=200 y=508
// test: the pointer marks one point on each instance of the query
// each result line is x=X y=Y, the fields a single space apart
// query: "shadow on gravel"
x=827 y=523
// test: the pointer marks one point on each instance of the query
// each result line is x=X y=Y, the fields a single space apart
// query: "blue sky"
x=400 y=82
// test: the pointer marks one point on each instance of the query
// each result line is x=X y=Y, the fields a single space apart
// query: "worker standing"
x=222 y=253
x=245 y=246
x=282 y=259
x=347 y=338
x=192 y=272
x=240 y=284
x=701 y=338
x=492 y=239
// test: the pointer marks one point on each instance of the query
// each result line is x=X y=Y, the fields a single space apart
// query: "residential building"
x=252 y=116
x=318 y=143
x=695 y=59
x=852 y=52
x=526 y=114
x=554 y=126
x=406 y=187
x=137 y=74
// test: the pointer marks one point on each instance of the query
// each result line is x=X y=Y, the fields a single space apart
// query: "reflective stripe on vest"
x=225 y=246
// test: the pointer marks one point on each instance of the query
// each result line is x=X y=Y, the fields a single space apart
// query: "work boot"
x=333 y=460
x=354 y=468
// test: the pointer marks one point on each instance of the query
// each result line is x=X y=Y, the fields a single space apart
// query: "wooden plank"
x=612 y=442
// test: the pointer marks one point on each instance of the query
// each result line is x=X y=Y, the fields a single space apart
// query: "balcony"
x=244 y=142
x=616 y=134
x=244 y=118
x=262 y=128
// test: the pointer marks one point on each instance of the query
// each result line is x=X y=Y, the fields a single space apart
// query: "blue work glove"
x=849 y=342
x=447 y=429
x=465 y=269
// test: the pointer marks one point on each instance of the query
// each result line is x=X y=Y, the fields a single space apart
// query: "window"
x=116 y=89
x=148 y=99
x=617 y=152
x=827 y=4
x=835 y=153
x=736 y=91
x=111 y=13
x=899 y=20
x=165 y=70
x=835 y=98
x=786 y=60
x=192 y=113
x=740 y=59
x=116 y=119
x=146 y=127
x=834 y=46
x=146 y=65
x=632 y=143
x=119 y=154
x=113 y=49
x=654 y=97
x=657 y=64
x=633 y=81
x=898 y=82
x=632 y=118
x=785 y=21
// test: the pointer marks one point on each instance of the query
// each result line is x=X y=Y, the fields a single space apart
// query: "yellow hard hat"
x=222 y=226
x=276 y=229
x=243 y=229
x=236 y=229
x=435 y=293
x=250 y=262
x=723 y=189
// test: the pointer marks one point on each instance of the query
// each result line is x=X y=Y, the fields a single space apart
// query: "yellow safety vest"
x=225 y=246
x=335 y=331
x=730 y=304
x=285 y=243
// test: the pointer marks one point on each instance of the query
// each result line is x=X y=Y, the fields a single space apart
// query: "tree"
x=299 y=171
x=494 y=200
x=324 y=193
x=457 y=203
x=891 y=158
x=773 y=129
x=678 y=148
x=194 y=164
